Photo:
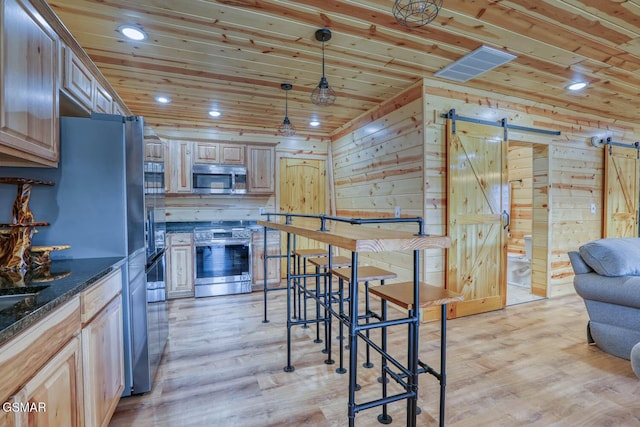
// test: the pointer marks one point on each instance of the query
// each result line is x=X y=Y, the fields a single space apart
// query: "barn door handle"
x=506 y=214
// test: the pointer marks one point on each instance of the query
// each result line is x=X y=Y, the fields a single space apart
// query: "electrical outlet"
x=593 y=208
x=397 y=212
x=261 y=210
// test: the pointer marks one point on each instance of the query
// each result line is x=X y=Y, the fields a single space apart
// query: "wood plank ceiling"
x=232 y=55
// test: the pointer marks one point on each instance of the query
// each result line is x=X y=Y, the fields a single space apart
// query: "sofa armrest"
x=578 y=264
x=623 y=290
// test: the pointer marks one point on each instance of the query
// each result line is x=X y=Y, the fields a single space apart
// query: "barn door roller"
x=596 y=142
x=502 y=123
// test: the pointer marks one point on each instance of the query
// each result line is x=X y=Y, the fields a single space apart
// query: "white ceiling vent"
x=475 y=63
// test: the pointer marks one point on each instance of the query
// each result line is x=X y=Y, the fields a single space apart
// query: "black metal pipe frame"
x=354 y=221
x=414 y=366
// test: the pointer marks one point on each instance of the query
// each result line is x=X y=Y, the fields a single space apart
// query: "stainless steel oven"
x=222 y=261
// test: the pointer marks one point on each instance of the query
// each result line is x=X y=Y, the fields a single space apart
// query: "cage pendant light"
x=286 y=128
x=323 y=94
x=416 y=13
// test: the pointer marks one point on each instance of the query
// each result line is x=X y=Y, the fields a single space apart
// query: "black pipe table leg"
x=289 y=367
x=353 y=339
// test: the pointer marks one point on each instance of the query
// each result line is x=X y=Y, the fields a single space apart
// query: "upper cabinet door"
x=207 y=152
x=260 y=169
x=77 y=80
x=28 y=86
x=232 y=154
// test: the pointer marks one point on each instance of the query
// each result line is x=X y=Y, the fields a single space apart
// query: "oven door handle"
x=224 y=242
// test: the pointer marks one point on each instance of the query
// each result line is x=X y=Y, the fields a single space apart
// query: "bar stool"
x=300 y=256
x=402 y=294
x=365 y=274
x=322 y=263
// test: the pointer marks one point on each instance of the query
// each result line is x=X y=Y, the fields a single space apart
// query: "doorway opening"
x=520 y=237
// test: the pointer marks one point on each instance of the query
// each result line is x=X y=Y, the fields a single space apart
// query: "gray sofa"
x=607 y=277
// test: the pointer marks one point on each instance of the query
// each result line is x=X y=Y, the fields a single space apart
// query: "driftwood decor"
x=15 y=237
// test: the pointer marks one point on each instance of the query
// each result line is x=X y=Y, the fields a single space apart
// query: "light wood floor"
x=527 y=365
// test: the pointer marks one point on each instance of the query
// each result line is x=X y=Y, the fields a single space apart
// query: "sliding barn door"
x=477 y=204
x=620 y=192
x=302 y=190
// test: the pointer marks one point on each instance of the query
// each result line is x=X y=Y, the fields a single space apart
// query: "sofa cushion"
x=613 y=257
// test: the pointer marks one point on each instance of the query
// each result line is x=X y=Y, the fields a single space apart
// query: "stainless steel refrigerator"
x=97 y=205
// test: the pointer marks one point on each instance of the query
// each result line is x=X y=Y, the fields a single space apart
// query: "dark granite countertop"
x=69 y=278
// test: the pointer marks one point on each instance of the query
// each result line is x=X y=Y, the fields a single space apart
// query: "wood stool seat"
x=312 y=252
x=366 y=273
x=336 y=261
x=402 y=294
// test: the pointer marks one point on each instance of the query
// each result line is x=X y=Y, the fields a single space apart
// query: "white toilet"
x=519 y=266
x=528 y=247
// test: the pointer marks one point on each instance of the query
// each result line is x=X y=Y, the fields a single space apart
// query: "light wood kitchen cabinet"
x=179 y=162
x=102 y=100
x=102 y=348
x=207 y=153
x=28 y=87
x=103 y=364
x=153 y=149
x=232 y=154
x=76 y=79
x=260 y=169
x=180 y=265
x=56 y=391
x=117 y=109
x=257 y=258
x=43 y=364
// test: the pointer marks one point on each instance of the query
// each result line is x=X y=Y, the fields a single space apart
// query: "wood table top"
x=358 y=238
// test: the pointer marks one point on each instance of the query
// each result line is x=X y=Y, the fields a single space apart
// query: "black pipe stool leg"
x=384 y=418
x=367 y=310
x=317 y=340
x=329 y=360
x=341 y=369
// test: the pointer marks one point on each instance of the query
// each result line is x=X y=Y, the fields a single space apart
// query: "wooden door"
x=621 y=192
x=477 y=203
x=302 y=190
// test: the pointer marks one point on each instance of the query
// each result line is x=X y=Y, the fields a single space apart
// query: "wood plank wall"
x=520 y=176
x=378 y=164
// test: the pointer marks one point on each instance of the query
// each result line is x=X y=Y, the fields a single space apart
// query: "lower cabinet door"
x=54 y=396
x=103 y=364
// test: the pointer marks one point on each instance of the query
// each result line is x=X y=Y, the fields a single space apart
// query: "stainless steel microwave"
x=219 y=179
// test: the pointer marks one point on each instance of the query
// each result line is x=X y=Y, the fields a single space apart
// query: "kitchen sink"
x=7 y=301
x=11 y=296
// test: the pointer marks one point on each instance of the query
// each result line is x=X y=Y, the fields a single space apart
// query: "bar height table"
x=349 y=234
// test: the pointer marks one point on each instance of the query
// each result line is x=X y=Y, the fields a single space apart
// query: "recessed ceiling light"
x=214 y=113
x=577 y=85
x=163 y=99
x=134 y=33
x=314 y=123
